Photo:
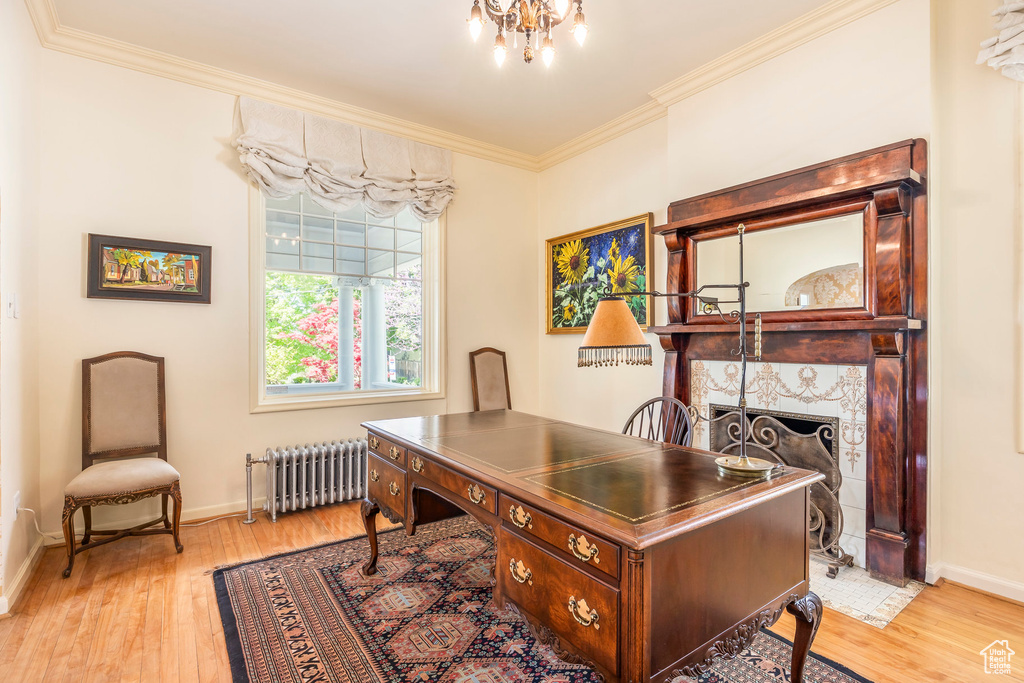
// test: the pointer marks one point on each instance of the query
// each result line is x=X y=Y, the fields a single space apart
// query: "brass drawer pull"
x=374 y=476
x=417 y=464
x=582 y=549
x=374 y=443
x=582 y=613
x=520 y=517
x=476 y=494
x=520 y=572
x=393 y=487
x=394 y=453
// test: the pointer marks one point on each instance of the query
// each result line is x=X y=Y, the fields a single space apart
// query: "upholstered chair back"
x=123 y=406
x=490 y=380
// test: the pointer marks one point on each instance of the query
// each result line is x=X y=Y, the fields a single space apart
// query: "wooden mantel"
x=888 y=334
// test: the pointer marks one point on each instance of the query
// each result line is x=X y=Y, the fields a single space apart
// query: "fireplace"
x=843 y=300
x=799 y=440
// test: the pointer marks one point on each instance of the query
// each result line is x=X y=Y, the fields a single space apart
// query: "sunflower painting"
x=612 y=259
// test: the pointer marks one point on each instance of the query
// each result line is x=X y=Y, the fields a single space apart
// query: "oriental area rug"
x=427 y=615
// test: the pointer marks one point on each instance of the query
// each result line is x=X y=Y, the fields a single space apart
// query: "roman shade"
x=340 y=165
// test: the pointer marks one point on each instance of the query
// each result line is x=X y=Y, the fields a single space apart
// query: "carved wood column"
x=891 y=249
x=636 y=662
x=886 y=536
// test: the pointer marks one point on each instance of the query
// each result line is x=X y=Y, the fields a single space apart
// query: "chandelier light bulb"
x=561 y=7
x=476 y=21
x=579 y=28
x=547 y=50
x=504 y=5
x=500 y=51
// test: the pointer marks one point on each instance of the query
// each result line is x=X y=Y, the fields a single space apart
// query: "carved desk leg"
x=370 y=511
x=807 y=611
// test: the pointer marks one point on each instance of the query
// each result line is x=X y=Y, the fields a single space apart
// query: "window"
x=349 y=306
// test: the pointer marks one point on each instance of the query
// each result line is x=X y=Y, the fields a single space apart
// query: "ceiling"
x=414 y=59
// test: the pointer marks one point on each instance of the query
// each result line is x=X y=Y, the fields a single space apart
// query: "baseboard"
x=10 y=597
x=53 y=538
x=1004 y=588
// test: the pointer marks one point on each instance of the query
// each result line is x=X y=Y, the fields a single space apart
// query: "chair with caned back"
x=664 y=419
x=123 y=417
x=489 y=372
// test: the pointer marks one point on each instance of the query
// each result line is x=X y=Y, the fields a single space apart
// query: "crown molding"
x=631 y=120
x=816 y=23
x=801 y=30
x=73 y=41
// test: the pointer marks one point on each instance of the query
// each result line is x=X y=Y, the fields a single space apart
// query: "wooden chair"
x=663 y=419
x=489 y=371
x=123 y=416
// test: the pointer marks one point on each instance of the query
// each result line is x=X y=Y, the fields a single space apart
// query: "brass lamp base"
x=755 y=468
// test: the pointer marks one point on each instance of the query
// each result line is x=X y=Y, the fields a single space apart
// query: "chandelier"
x=530 y=17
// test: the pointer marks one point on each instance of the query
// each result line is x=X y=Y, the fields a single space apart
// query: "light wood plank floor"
x=135 y=610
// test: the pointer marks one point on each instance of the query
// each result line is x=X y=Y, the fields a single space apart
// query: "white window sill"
x=310 y=400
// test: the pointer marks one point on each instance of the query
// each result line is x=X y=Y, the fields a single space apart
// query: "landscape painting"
x=151 y=270
x=613 y=259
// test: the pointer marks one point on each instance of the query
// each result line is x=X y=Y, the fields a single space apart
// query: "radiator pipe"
x=248 y=490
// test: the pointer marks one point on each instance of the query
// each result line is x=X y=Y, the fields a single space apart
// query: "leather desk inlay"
x=697 y=477
x=606 y=540
x=529 y=447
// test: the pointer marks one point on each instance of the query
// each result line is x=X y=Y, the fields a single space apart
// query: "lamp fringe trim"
x=597 y=356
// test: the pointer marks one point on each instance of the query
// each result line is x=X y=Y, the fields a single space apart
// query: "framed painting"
x=148 y=270
x=615 y=259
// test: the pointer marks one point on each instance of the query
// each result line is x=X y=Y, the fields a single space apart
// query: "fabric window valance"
x=340 y=165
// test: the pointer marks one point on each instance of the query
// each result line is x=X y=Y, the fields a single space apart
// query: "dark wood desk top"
x=634 y=491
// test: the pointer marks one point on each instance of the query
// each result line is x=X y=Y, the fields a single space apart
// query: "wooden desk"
x=632 y=556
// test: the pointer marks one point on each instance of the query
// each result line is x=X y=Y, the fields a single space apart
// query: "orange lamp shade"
x=613 y=337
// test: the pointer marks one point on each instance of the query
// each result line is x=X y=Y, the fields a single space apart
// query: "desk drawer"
x=580 y=609
x=476 y=493
x=386 y=485
x=387 y=450
x=580 y=547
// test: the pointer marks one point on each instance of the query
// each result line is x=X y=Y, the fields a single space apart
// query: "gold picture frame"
x=585 y=265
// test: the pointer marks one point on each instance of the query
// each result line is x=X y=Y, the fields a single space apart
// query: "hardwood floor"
x=135 y=610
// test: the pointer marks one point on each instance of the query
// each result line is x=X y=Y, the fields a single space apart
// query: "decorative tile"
x=854 y=493
x=854 y=521
x=809 y=389
x=853 y=464
x=854 y=593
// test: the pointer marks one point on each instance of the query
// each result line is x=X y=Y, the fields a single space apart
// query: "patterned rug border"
x=821 y=658
x=233 y=640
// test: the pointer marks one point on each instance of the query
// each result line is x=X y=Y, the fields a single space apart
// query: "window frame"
x=311 y=396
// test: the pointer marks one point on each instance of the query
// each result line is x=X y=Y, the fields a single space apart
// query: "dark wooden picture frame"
x=147 y=270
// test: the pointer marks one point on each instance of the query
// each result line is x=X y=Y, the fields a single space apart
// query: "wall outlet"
x=17 y=503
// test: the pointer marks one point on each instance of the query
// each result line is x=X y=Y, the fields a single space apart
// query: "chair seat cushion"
x=121 y=476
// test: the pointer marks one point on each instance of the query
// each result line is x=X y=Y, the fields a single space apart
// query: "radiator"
x=302 y=477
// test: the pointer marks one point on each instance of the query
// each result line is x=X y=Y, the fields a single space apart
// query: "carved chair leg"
x=176 y=494
x=87 y=513
x=370 y=511
x=163 y=510
x=68 y=523
x=807 y=611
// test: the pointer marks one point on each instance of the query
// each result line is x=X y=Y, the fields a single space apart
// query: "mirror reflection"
x=812 y=265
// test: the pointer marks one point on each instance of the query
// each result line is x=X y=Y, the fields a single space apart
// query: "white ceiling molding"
x=794 y=34
x=84 y=44
x=73 y=41
x=641 y=116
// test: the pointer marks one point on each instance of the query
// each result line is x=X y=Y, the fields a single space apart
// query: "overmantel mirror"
x=831 y=242
x=813 y=261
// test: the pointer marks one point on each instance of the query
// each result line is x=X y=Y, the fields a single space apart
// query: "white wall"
x=126 y=153
x=19 y=426
x=622 y=178
x=976 y=268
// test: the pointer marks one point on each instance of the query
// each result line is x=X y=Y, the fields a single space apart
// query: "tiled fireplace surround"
x=830 y=391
